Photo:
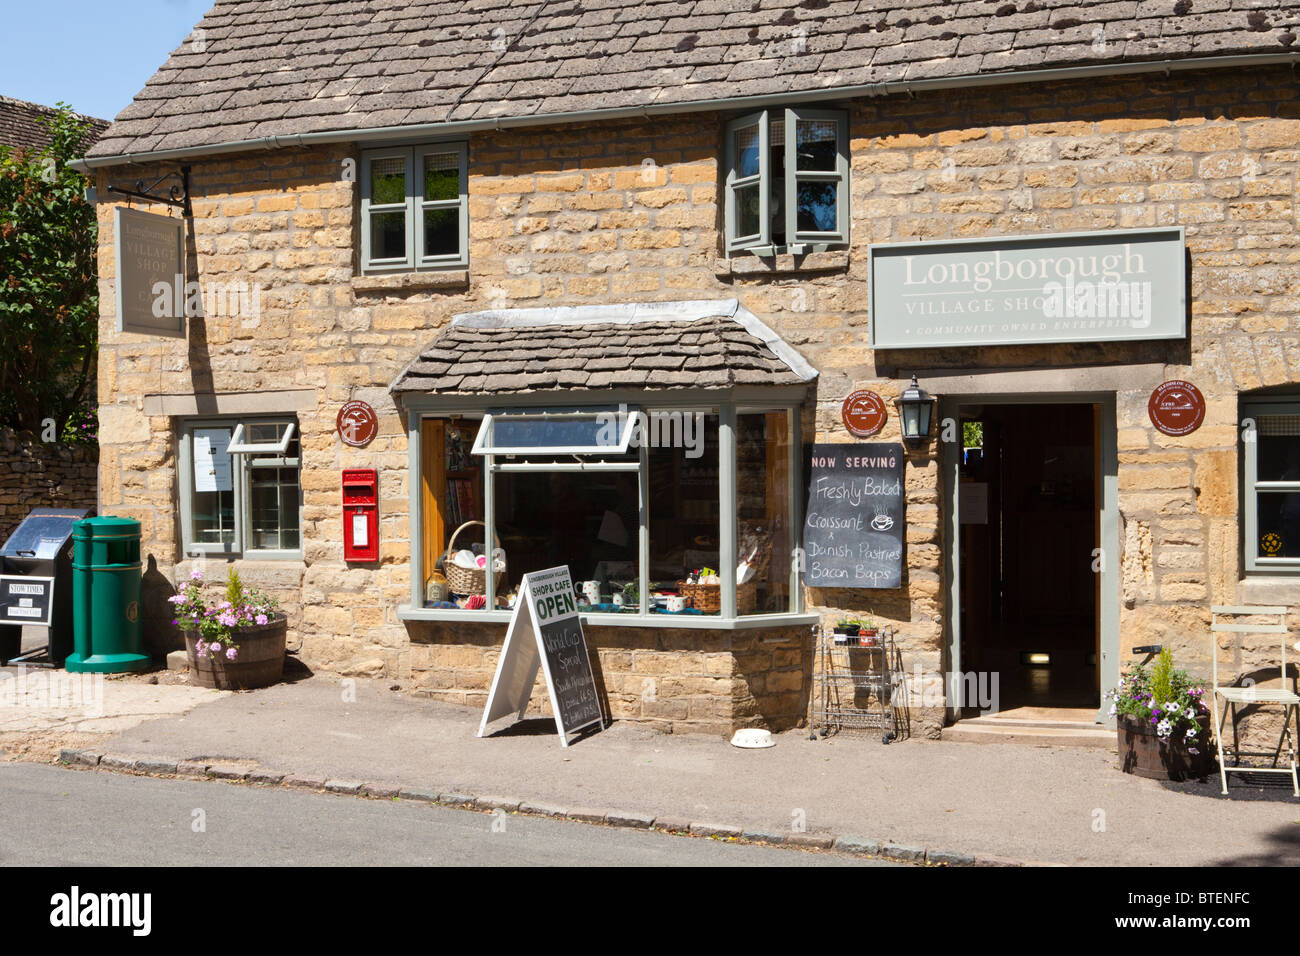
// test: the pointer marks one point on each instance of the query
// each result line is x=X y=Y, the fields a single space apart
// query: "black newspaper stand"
x=36 y=585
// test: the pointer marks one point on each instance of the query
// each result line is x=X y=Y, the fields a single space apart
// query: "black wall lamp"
x=915 y=411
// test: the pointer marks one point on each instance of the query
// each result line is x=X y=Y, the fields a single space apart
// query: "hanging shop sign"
x=1112 y=286
x=864 y=413
x=357 y=424
x=149 y=253
x=545 y=631
x=1176 y=407
x=854 y=523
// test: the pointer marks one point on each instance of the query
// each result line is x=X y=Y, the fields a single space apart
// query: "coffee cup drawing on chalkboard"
x=882 y=521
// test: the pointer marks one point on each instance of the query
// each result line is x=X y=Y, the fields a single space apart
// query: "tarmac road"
x=107 y=819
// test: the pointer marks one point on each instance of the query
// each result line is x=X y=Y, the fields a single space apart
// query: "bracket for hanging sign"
x=178 y=196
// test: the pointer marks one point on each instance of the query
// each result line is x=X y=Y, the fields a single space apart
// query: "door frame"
x=1108 y=532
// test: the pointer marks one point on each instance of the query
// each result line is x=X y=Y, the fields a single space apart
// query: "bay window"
x=664 y=513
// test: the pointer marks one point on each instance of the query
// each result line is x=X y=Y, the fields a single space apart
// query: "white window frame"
x=413 y=209
x=796 y=242
x=243 y=459
x=1251 y=486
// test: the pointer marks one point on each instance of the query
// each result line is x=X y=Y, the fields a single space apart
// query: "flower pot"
x=850 y=629
x=259 y=663
x=1144 y=754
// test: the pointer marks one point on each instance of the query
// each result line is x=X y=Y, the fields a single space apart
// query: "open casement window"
x=414 y=208
x=787 y=181
x=606 y=431
x=240 y=491
x=1271 y=485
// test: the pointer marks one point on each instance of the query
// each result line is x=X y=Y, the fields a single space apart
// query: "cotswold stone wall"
x=675 y=680
x=628 y=211
x=37 y=474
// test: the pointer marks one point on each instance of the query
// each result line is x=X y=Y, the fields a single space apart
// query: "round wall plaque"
x=1176 y=407
x=864 y=413
x=357 y=424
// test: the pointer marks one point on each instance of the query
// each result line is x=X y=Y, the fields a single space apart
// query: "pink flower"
x=177 y=599
x=232 y=653
x=196 y=575
x=261 y=619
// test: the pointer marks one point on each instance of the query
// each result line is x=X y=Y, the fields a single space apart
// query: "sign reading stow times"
x=1112 y=286
x=150 y=250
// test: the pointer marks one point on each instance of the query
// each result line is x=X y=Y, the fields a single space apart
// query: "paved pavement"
x=108 y=819
x=40 y=699
x=1062 y=805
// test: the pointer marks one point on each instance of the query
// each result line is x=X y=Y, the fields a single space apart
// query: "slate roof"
x=712 y=352
x=258 y=68
x=20 y=124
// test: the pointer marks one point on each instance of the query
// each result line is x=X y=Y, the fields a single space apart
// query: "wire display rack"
x=858 y=686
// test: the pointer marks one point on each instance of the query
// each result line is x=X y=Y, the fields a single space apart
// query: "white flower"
x=1112 y=710
x=1172 y=707
x=1163 y=728
x=1191 y=732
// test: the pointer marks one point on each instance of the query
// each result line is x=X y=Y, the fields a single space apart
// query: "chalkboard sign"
x=854 y=523
x=546 y=607
x=26 y=600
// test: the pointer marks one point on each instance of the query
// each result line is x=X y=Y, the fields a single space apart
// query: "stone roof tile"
x=332 y=67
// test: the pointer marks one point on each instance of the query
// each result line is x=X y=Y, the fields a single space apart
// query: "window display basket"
x=708 y=597
x=465 y=580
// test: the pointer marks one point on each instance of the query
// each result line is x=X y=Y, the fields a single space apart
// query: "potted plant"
x=868 y=628
x=1162 y=722
x=847 y=626
x=235 y=639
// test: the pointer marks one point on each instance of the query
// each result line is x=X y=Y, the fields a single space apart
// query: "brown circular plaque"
x=864 y=413
x=1176 y=407
x=357 y=424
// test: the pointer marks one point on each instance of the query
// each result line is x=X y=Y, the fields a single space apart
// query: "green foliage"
x=972 y=434
x=1162 y=675
x=234 y=587
x=49 y=303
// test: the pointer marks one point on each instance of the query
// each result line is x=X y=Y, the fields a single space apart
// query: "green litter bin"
x=106 y=597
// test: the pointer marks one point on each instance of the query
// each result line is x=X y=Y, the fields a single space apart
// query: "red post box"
x=360 y=514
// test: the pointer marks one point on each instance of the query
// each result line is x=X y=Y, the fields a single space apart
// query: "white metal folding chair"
x=1249 y=695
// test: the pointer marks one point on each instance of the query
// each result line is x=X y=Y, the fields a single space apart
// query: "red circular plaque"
x=864 y=413
x=357 y=424
x=1176 y=407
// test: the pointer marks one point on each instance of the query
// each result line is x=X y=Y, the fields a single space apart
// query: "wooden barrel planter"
x=260 y=662
x=1143 y=754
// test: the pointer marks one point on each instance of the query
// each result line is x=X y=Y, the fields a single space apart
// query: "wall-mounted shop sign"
x=864 y=413
x=854 y=523
x=1112 y=286
x=149 y=253
x=1176 y=407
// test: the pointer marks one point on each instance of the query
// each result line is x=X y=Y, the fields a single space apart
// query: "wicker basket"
x=465 y=580
x=708 y=597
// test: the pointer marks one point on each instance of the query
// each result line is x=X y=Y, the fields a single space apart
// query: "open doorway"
x=1028 y=546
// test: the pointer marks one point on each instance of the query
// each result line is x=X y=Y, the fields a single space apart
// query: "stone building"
x=495 y=225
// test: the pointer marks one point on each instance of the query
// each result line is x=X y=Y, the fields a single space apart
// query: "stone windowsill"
x=411 y=281
x=1272 y=589
x=749 y=264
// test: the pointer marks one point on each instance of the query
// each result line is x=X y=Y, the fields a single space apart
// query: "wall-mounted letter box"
x=360 y=514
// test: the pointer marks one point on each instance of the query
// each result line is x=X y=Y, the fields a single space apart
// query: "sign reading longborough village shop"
x=1118 y=285
x=853 y=529
x=150 y=252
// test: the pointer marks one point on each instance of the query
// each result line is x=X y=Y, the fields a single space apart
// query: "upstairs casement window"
x=414 y=214
x=787 y=181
